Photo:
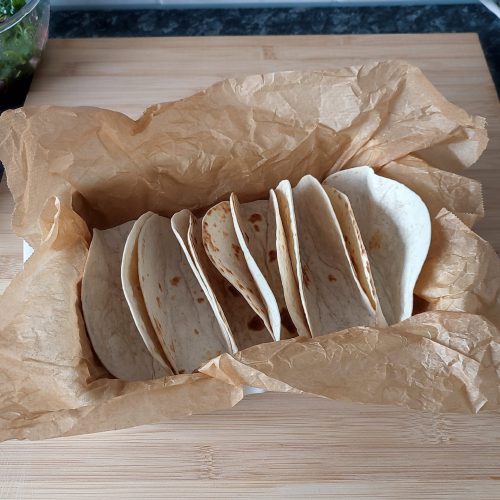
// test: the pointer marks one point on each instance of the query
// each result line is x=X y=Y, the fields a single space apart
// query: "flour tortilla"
x=133 y=294
x=222 y=247
x=182 y=222
x=331 y=293
x=286 y=257
x=355 y=247
x=396 y=229
x=245 y=325
x=176 y=303
x=257 y=220
x=110 y=325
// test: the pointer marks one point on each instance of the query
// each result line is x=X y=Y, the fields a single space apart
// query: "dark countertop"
x=286 y=21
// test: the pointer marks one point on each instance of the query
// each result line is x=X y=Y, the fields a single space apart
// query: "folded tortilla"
x=255 y=226
x=177 y=305
x=246 y=327
x=286 y=258
x=183 y=223
x=355 y=247
x=110 y=325
x=133 y=293
x=223 y=249
x=396 y=229
x=331 y=293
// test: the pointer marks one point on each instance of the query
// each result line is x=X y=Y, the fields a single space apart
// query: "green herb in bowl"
x=9 y=8
x=23 y=33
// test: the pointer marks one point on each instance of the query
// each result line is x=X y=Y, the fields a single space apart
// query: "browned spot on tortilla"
x=305 y=277
x=181 y=372
x=331 y=277
x=158 y=301
x=272 y=255
x=200 y=300
x=356 y=268
x=207 y=239
x=350 y=250
x=244 y=287
x=233 y=290
x=257 y=228
x=375 y=241
x=226 y=208
x=157 y=324
x=349 y=244
x=256 y=324
x=247 y=238
x=225 y=234
x=175 y=280
x=237 y=250
x=286 y=321
x=255 y=218
x=160 y=287
x=143 y=278
x=196 y=332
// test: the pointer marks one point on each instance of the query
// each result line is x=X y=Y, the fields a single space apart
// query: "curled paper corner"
x=228 y=369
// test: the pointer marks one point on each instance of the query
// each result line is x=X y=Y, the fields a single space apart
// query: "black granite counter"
x=289 y=21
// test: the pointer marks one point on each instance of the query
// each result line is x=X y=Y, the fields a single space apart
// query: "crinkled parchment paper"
x=73 y=169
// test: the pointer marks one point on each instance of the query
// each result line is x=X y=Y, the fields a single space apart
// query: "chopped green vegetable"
x=19 y=49
x=17 y=44
x=9 y=7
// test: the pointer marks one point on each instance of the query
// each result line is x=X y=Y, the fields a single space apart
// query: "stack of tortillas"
x=164 y=296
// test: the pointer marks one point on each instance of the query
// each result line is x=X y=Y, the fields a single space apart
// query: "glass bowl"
x=22 y=39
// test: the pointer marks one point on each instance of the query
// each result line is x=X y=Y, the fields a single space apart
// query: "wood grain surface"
x=269 y=445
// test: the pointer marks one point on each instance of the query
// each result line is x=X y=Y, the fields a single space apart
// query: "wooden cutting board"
x=271 y=444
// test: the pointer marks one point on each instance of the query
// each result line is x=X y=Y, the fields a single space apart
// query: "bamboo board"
x=269 y=445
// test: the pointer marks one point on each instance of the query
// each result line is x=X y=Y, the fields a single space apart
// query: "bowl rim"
x=18 y=16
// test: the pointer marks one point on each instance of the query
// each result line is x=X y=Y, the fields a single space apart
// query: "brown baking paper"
x=242 y=135
x=73 y=169
x=438 y=188
x=51 y=384
x=439 y=361
x=462 y=271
